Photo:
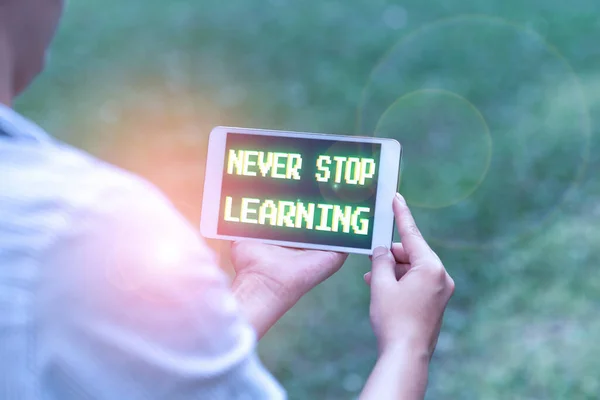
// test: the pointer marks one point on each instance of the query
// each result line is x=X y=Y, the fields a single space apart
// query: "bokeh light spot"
x=529 y=97
x=447 y=146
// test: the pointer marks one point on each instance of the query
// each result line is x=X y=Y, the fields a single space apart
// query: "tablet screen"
x=299 y=190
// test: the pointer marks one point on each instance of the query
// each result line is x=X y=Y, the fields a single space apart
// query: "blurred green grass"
x=140 y=84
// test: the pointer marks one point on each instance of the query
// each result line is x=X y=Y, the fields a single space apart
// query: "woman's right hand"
x=410 y=289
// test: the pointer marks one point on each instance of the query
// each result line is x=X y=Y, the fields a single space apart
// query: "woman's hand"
x=409 y=288
x=409 y=292
x=271 y=279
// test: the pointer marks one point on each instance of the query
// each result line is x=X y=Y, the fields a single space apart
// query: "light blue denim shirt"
x=106 y=292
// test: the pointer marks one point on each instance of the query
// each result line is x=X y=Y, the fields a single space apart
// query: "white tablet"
x=305 y=190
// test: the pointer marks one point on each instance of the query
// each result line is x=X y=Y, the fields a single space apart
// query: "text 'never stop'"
x=338 y=170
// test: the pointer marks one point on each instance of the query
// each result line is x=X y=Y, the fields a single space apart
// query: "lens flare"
x=449 y=88
x=449 y=146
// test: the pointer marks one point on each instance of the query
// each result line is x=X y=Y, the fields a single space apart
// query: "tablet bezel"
x=387 y=186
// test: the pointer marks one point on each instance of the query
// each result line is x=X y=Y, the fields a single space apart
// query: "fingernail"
x=399 y=197
x=379 y=251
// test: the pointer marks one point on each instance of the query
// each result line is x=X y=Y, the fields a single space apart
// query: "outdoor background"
x=495 y=102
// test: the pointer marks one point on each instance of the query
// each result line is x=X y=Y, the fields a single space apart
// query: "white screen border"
x=387 y=185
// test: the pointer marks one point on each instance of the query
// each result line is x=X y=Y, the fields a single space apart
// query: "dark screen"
x=300 y=190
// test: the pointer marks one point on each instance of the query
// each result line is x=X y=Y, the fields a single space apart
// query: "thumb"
x=383 y=268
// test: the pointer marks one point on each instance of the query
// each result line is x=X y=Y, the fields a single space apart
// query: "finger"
x=330 y=262
x=240 y=243
x=412 y=241
x=400 y=270
x=233 y=251
x=341 y=257
x=383 y=268
x=399 y=253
